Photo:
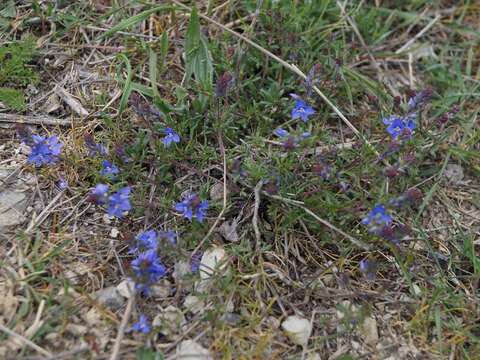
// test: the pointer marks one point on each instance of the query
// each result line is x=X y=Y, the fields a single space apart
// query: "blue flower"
x=368 y=268
x=192 y=206
x=301 y=110
x=398 y=126
x=195 y=262
x=281 y=132
x=109 y=170
x=62 y=183
x=99 y=194
x=170 y=236
x=45 y=151
x=419 y=99
x=142 y=325
x=148 y=270
x=170 y=137
x=119 y=202
x=378 y=216
x=145 y=241
x=305 y=134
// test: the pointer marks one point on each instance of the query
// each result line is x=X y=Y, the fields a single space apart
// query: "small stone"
x=170 y=321
x=114 y=233
x=106 y=219
x=182 y=269
x=229 y=231
x=190 y=350
x=216 y=192
x=161 y=290
x=75 y=329
x=194 y=304
x=110 y=297
x=368 y=331
x=126 y=288
x=203 y=285
x=454 y=173
x=231 y=318
x=298 y=329
x=92 y=317
x=272 y=322
x=213 y=261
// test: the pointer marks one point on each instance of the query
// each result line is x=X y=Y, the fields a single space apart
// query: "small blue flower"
x=119 y=203
x=419 y=99
x=281 y=132
x=305 y=135
x=378 y=216
x=62 y=183
x=398 y=126
x=148 y=270
x=109 y=170
x=170 y=137
x=192 y=206
x=45 y=151
x=142 y=325
x=195 y=262
x=99 y=194
x=301 y=110
x=145 y=241
x=170 y=236
x=368 y=268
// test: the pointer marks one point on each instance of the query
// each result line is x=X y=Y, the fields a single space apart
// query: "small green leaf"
x=8 y=10
x=148 y=354
x=127 y=87
x=198 y=59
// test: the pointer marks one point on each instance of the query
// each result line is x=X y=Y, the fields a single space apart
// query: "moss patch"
x=12 y=98
x=14 y=58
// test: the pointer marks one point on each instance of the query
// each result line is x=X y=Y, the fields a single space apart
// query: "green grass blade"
x=125 y=24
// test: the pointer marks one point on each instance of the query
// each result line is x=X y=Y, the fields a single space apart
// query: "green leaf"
x=8 y=10
x=125 y=24
x=148 y=354
x=127 y=86
x=198 y=59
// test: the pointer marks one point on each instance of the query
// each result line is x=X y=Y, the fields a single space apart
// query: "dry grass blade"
x=25 y=341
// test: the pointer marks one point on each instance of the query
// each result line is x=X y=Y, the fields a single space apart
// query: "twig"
x=293 y=68
x=418 y=35
x=61 y=355
x=24 y=340
x=73 y=103
x=43 y=215
x=257 y=190
x=33 y=120
x=122 y=327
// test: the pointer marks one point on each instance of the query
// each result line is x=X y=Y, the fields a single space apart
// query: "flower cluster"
x=301 y=110
x=400 y=127
x=170 y=137
x=118 y=203
x=142 y=325
x=109 y=170
x=147 y=267
x=43 y=150
x=290 y=141
x=192 y=206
